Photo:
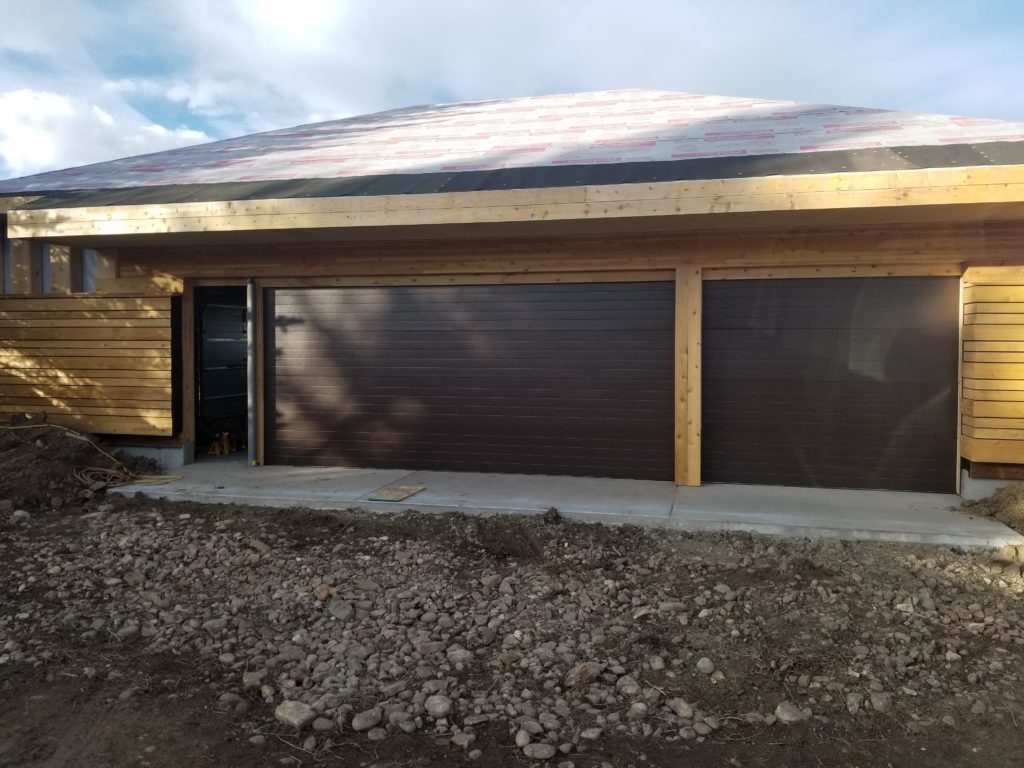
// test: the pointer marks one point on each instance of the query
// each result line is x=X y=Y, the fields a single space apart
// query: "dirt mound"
x=1006 y=505
x=38 y=465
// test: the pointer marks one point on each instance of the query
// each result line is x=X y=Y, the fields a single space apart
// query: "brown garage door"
x=845 y=383
x=573 y=379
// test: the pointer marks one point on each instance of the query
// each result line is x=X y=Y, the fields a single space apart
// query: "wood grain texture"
x=101 y=364
x=938 y=249
x=992 y=394
x=948 y=187
x=688 y=314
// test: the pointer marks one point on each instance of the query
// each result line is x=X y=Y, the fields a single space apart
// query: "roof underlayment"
x=567 y=140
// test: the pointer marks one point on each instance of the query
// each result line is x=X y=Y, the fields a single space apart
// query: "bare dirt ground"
x=136 y=632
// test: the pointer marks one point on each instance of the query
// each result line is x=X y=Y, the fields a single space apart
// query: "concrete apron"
x=794 y=512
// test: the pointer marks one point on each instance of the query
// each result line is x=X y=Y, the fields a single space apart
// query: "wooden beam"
x=153 y=285
x=990 y=471
x=611 y=276
x=877 y=250
x=948 y=269
x=989 y=185
x=10 y=203
x=688 y=318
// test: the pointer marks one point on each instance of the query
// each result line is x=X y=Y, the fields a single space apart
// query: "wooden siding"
x=992 y=404
x=918 y=250
x=99 y=363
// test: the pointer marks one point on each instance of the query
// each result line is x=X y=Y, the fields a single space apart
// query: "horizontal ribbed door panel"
x=845 y=383
x=562 y=379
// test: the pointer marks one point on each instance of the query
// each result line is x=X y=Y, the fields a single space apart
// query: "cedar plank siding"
x=98 y=363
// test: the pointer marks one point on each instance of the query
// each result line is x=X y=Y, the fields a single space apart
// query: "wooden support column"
x=959 y=385
x=689 y=295
x=26 y=272
x=106 y=269
x=65 y=269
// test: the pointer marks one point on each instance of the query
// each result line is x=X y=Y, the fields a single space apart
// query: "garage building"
x=628 y=284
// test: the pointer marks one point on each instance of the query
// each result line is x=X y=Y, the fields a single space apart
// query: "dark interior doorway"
x=220 y=370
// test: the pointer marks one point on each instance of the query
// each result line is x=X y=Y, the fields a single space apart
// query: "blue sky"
x=88 y=80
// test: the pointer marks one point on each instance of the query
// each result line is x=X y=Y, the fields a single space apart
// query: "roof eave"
x=879 y=190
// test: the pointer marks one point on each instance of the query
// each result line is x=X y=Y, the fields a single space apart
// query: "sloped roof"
x=563 y=140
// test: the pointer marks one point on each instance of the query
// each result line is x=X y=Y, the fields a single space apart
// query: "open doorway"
x=221 y=391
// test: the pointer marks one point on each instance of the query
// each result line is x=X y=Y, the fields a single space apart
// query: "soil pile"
x=38 y=463
x=1006 y=505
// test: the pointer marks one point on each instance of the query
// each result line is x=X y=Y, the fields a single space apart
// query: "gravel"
x=557 y=636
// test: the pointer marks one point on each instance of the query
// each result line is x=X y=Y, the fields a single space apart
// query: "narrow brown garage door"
x=573 y=379
x=845 y=383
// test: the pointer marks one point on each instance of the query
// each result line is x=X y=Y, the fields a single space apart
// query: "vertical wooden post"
x=26 y=275
x=106 y=272
x=689 y=297
x=65 y=269
x=960 y=379
x=60 y=268
x=188 y=366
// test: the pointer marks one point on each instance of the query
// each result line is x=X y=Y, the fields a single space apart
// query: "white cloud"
x=41 y=130
x=250 y=65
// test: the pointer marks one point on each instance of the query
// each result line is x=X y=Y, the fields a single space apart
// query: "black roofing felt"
x=752 y=166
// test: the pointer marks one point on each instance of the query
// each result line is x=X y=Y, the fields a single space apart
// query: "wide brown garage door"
x=845 y=383
x=567 y=379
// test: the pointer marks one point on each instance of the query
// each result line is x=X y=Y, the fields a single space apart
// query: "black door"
x=573 y=379
x=843 y=383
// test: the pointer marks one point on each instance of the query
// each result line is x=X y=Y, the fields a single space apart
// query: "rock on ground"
x=789 y=713
x=294 y=713
x=540 y=751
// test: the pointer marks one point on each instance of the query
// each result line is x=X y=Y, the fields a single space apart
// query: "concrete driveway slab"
x=537 y=493
x=234 y=481
x=797 y=512
x=924 y=518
